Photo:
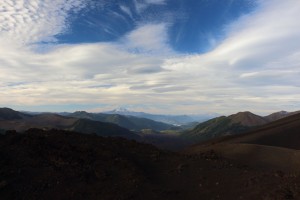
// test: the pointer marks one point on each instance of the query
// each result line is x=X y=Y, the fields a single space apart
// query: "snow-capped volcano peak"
x=121 y=110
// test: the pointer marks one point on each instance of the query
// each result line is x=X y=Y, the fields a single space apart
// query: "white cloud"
x=260 y=52
x=149 y=38
x=73 y=74
x=157 y=2
x=126 y=10
x=255 y=68
x=142 y=5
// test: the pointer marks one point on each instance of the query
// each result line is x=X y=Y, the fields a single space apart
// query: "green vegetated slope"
x=221 y=126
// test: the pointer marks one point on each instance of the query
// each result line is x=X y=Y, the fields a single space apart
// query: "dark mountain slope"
x=64 y=165
x=100 y=128
x=129 y=122
x=54 y=121
x=43 y=121
x=9 y=114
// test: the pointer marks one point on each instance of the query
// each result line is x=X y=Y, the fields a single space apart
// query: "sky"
x=157 y=56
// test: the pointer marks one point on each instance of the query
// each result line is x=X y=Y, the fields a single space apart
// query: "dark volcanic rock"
x=66 y=165
x=62 y=165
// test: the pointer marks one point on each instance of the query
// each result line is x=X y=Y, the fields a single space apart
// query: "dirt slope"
x=247 y=119
x=275 y=145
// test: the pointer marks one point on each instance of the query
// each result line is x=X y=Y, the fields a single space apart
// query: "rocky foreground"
x=66 y=165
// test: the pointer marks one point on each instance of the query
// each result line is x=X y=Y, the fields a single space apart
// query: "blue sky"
x=159 y=56
x=193 y=26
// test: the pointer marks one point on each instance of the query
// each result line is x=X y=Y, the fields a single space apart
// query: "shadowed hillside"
x=129 y=122
x=21 y=122
x=9 y=114
x=100 y=128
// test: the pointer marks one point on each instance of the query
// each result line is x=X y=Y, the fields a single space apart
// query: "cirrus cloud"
x=31 y=21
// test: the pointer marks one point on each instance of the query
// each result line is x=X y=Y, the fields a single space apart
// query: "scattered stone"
x=3 y=184
x=181 y=167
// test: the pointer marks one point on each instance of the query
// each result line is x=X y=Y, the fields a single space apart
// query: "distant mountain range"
x=176 y=120
x=14 y=120
x=161 y=134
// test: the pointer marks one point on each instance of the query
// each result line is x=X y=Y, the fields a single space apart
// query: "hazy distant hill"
x=129 y=122
x=279 y=115
x=169 y=119
x=233 y=124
